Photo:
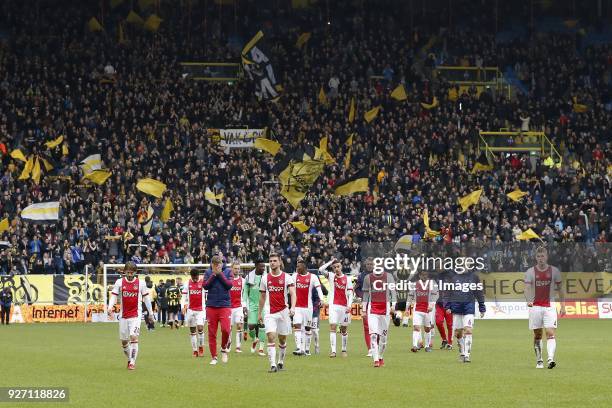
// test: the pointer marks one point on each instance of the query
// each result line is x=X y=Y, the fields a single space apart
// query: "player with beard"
x=274 y=312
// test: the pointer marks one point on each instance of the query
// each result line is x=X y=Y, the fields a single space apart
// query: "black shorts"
x=174 y=309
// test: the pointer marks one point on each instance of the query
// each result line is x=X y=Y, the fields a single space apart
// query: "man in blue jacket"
x=218 y=282
x=462 y=294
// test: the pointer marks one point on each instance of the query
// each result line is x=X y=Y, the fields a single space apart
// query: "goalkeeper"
x=252 y=289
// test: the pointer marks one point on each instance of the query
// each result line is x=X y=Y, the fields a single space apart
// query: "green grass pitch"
x=88 y=360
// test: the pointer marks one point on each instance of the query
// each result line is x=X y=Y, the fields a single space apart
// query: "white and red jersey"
x=340 y=290
x=131 y=294
x=238 y=293
x=303 y=289
x=543 y=283
x=276 y=289
x=425 y=294
x=194 y=295
x=377 y=296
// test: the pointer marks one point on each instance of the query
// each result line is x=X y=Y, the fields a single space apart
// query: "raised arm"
x=326 y=265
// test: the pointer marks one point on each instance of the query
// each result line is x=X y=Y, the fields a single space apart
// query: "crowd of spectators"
x=130 y=103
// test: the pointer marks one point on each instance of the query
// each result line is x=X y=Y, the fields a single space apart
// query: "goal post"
x=157 y=272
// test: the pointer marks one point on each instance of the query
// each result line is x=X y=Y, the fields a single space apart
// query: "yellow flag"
x=94 y=25
x=351 y=117
x=481 y=167
x=48 y=166
x=247 y=47
x=293 y=195
x=4 y=225
x=64 y=149
x=321 y=152
x=516 y=195
x=404 y=243
x=323 y=155
x=431 y=105
x=167 y=211
x=27 y=169
x=213 y=198
x=302 y=39
x=399 y=93
x=121 y=34
x=300 y=226
x=355 y=184
x=18 y=155
x=323 y=143
x=267 y=145
x=347 y=158
x=580 y=108
x=322 y=97
x=36 y=171
x=148 y=223
x=152 y=23
x=429 y=233
x=527 y=235
x=151 y=186
x=134 y=18
x=98 y=176
x=371 y=114
x=55 y=142
x=469 y=200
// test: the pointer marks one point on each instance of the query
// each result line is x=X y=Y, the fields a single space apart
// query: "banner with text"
x=239 y=138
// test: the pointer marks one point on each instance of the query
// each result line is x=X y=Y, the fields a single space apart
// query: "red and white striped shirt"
x=131 y=294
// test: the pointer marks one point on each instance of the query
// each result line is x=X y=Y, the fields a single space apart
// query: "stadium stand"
x=118 y=91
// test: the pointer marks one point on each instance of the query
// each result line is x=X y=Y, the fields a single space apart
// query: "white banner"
x=506 y=310
x=605 y=308
x=239 y=138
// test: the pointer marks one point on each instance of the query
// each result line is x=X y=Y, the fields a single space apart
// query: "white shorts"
x=378 y=324
x=303 y=316
x=426 y=319
x=339 y=315
x=237 y=315
x=542 y=317
x=195 y=318
x=461 y=321
x=129 y=327
x=278 y=323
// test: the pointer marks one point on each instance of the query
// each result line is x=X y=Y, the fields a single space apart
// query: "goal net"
x=154 y=275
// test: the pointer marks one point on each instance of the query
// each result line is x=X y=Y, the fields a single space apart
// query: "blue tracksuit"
x=460 y=302
x=218 y=288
